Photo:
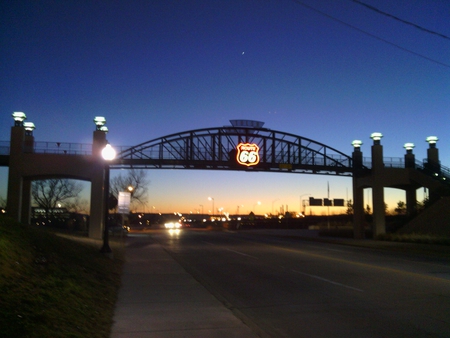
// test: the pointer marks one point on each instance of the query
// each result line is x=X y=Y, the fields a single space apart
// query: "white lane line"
x=243 y=254
x=327 y=280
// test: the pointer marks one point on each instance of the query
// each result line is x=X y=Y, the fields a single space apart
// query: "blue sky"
x=332 y=71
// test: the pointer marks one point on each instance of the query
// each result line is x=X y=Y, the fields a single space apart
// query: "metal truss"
x=215 y=149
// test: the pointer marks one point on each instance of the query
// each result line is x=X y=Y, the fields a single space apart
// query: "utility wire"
x=370 y=34
x=401 y=20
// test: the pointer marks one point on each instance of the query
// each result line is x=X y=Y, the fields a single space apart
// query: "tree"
x=137 y=180
x=47 y=194
x=401 y=208
x=349 y=210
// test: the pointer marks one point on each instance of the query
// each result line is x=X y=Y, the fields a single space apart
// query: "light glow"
x=29 y=126
x=409 y=146
x=108 y=153
x=19 y=116
x=376 y=136
x=432 y=139
x=357 y=143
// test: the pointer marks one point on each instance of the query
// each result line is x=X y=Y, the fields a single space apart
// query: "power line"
x=401 y=20
x=370 y=34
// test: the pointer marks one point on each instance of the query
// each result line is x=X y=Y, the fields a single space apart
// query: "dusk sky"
x=329 y=70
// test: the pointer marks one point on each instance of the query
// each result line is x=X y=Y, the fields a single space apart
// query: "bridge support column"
x=15 y=180
x=97 y=212
x=358 y=192
x=26 y=201
x=379 y=218
x=433 y=165
x=411 y=198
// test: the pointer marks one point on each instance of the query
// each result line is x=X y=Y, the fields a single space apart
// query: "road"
x=284 y=287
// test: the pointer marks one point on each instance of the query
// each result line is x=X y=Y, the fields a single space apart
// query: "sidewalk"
x=158 y=298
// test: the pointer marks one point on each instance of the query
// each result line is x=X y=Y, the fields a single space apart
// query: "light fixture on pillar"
x=100 y=122
x=357 y=144
x=108 y=154
x=376 y=137
x=409 y=147
x=432 y=141
x=29 y=127
x=18 y=117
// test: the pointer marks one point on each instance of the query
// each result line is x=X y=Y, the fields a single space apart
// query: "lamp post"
x=303 y=203
x=108 y=154
x=212 y=199
x=254 y=206
x=273 y=202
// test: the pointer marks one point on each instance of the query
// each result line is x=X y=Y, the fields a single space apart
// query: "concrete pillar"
x=97 y=212
x=379 y=218
x=433 y=155
x=15 y=180
x=433 y=166
x=26 y=201
x=358 y=192
x=411 y=198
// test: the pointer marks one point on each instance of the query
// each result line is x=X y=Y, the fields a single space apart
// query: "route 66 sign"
x=247 y=154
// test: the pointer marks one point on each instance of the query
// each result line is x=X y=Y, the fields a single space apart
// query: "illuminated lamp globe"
x=104 y=129
x=357 y=143
x=108 y=153
x=18 y=117
x=29 y=126
x=99 y=121
x=376 y=136
x=432 y=139
x=409 y=146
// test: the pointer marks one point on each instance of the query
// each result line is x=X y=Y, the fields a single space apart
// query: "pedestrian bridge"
x=244 y=145
x=236 y=147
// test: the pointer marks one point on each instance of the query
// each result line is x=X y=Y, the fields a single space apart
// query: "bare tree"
x=47 y=194
x=77 y=205
x=137 y=180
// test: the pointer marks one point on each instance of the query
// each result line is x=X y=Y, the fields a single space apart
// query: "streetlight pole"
x=303 y=204
x=212 y=199
x=108 y=154
x=273 y=202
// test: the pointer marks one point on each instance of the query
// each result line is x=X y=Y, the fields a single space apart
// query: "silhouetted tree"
x=137 y=179
x=47 y=194
x=349 y=210
x=401 y=208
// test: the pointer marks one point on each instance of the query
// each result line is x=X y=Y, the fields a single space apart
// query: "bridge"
x=244 y=146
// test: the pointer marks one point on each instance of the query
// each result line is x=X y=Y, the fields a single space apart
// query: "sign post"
x=124 y=204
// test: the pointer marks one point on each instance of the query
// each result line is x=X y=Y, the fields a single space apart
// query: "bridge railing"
x=389 y=162
x=63 y=148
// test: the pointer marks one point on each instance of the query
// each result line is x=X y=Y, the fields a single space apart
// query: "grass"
x=53 y=286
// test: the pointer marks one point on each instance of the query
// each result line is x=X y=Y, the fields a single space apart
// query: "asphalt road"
x=284 y=287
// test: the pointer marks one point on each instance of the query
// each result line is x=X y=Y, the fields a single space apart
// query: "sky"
x=329 y=70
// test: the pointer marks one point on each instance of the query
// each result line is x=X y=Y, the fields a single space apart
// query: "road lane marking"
x=327 y=280
x=241 y=253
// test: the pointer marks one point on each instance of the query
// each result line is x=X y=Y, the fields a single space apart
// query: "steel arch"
x=215 y=149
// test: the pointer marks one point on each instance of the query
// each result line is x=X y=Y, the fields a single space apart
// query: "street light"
x=108 y=154
x=212 y=199
x=303 y=203
x=273 y=202
x=254 y=206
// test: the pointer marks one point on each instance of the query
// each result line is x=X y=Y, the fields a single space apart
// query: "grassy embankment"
x=51 y=286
